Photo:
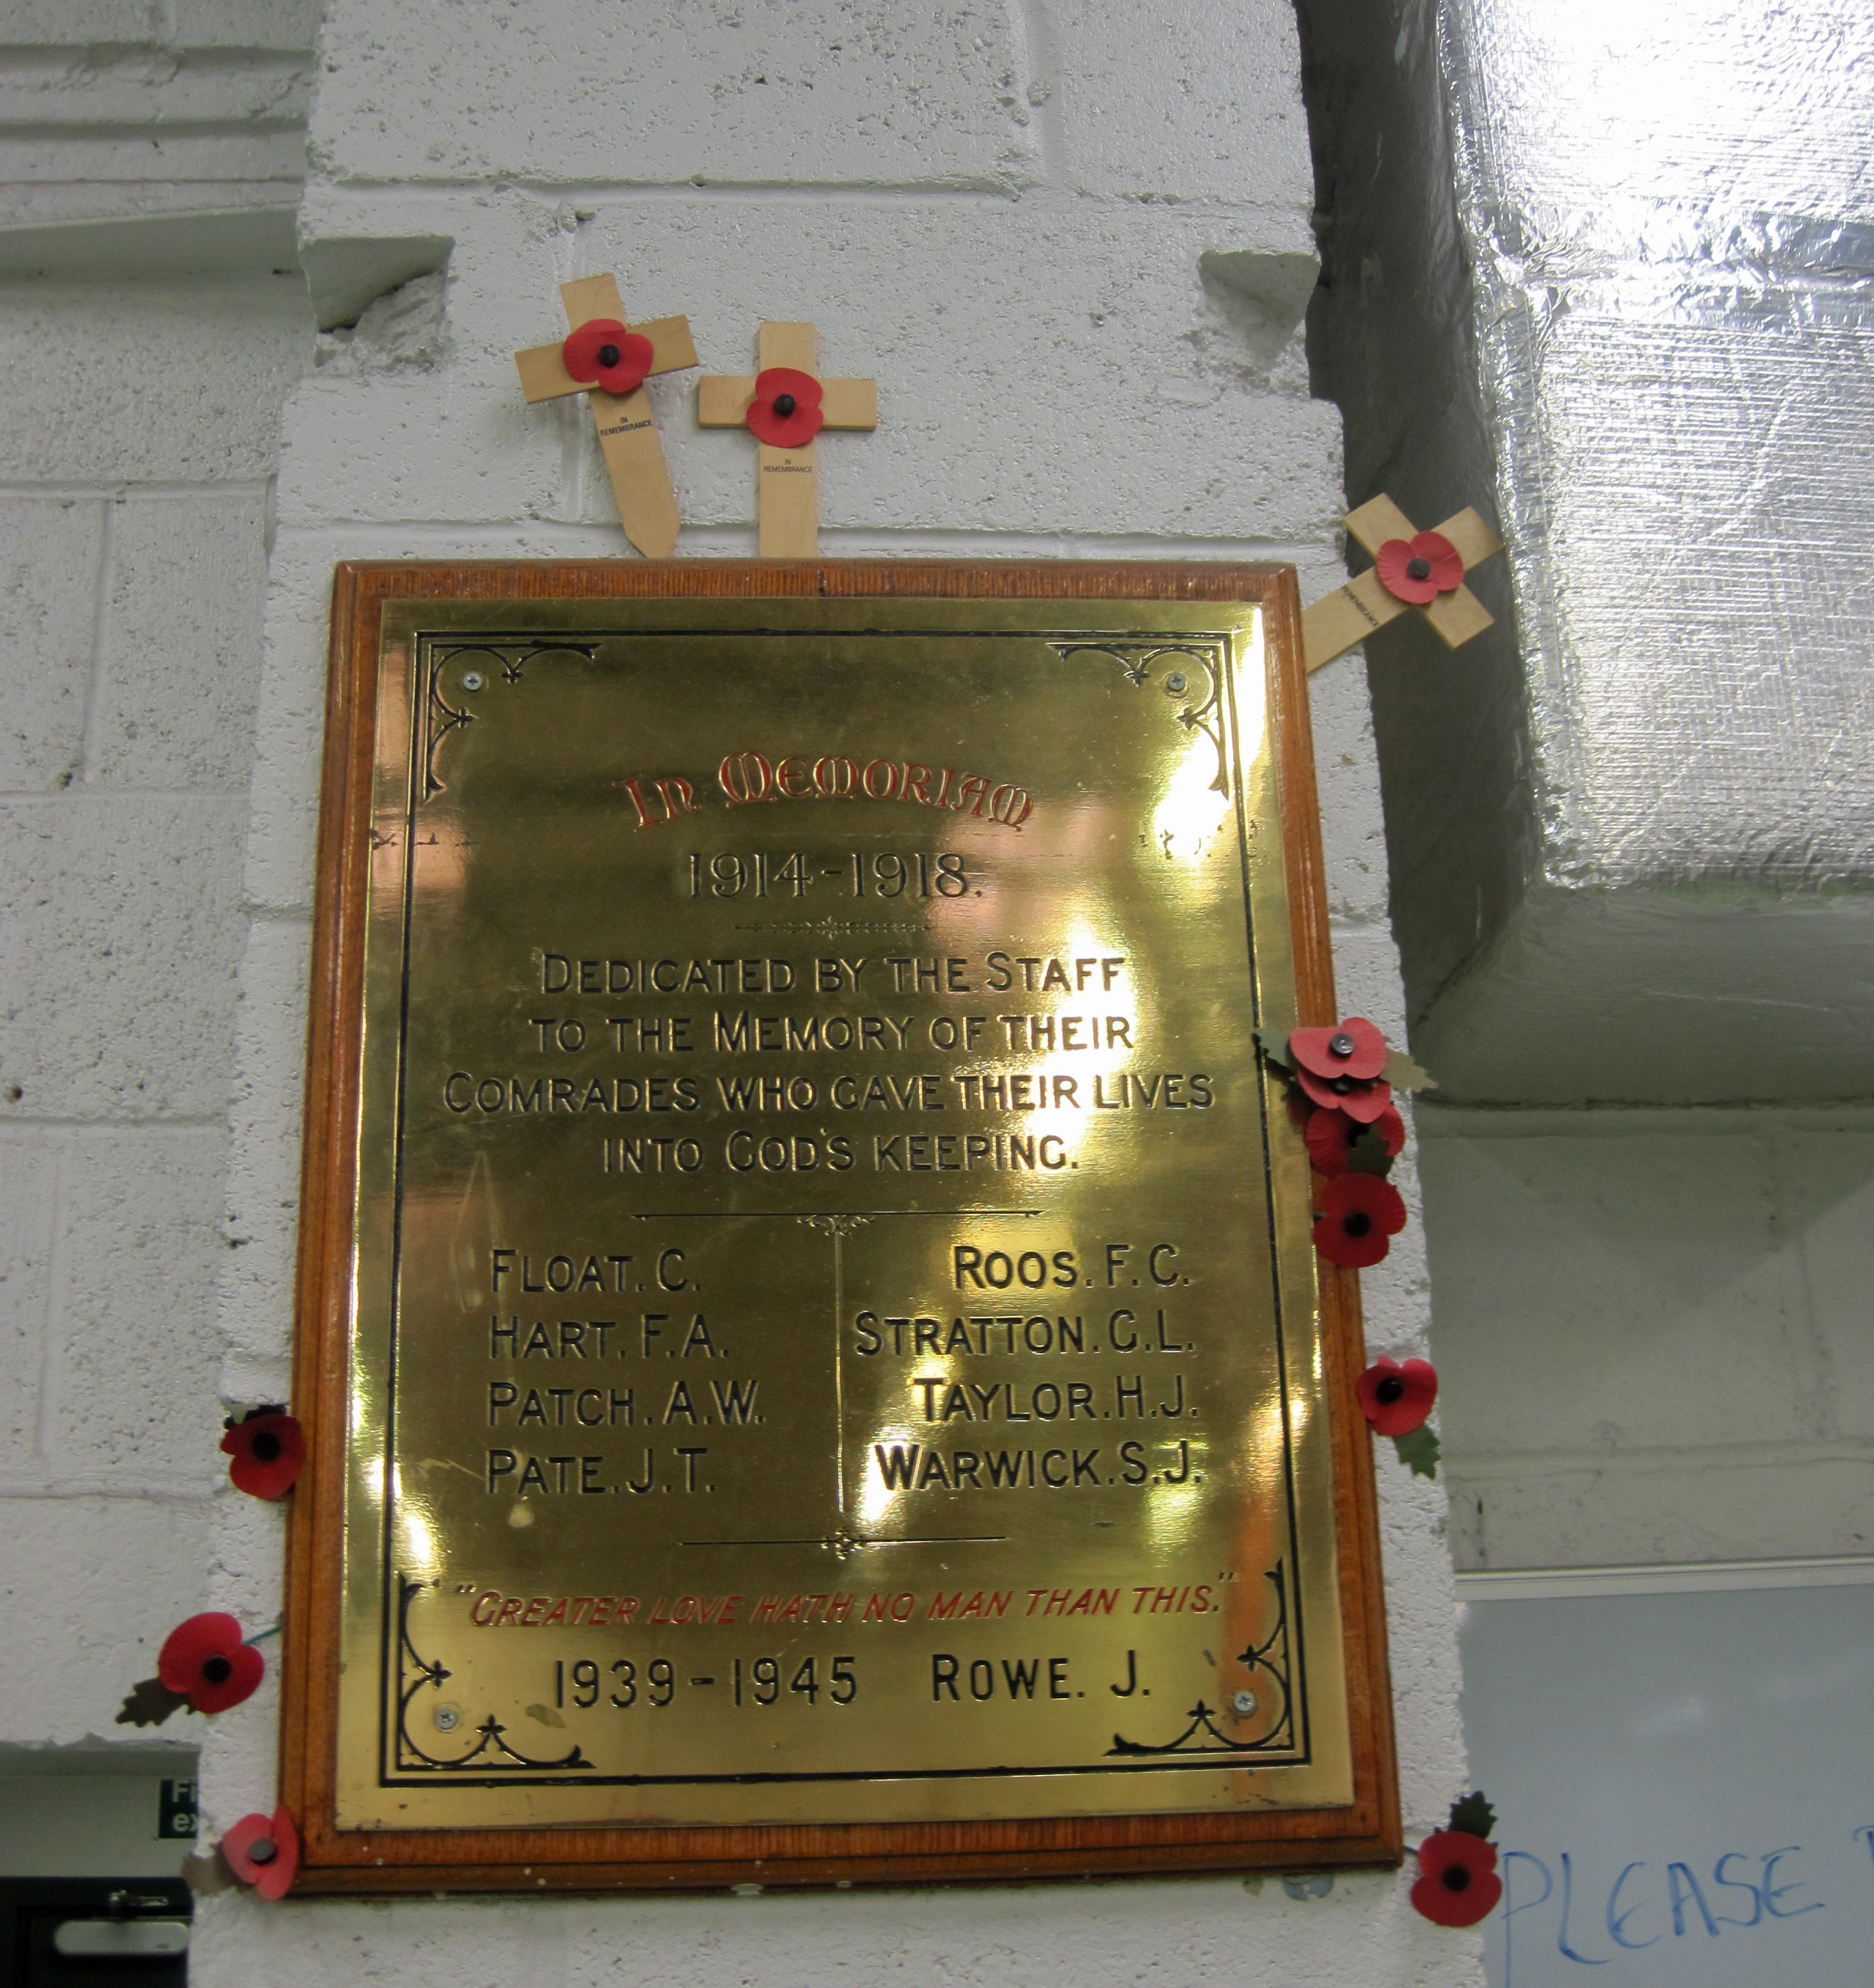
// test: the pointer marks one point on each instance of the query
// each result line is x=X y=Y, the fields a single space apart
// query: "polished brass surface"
x=834 y=1334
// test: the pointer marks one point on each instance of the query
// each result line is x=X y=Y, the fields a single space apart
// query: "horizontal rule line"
x=824 y=1214
x=914 y=1539
x=943 y=1539
x=1216 y=1762
x=818 y=1540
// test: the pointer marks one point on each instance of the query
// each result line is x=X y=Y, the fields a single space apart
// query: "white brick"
x=262 y=1193
x=1724 y=1503
x=88 y=1589
x=818 y=92
x=83 y=91
x=1347 y=779
x=1825 y=1178
x=32 y=24
x=1201 y=101
x=284 y=821
x=153 y=381
x=133 y=1347
x=120 y=930
x=49 y=200
x=106 y=157
x=1589 y=1288
x=1652 y=1329
x=1367 y=978
x=1420 y=1608
x=176 y=24
x=243 y=24
x=182 y=641
x=48 y=575
x=29 y=1176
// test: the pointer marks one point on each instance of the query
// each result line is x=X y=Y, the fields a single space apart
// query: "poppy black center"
x=1455 y=1877
x=784 y=405
x=608 y=355
x=1357 y=1223
x=262 y=1850
x=217 y=1670
x=1341 y=1086
x=266 y=1447
x=1341 y=1045
x=1389 y=1390
x=1417 y=568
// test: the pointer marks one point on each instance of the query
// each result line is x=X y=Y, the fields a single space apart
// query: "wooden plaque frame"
x=670 y=1859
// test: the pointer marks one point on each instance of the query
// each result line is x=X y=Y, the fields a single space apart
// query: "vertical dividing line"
x=839 y=1364
x=100 y=630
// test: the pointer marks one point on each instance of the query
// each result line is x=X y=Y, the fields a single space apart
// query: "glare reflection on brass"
x=821 y=1325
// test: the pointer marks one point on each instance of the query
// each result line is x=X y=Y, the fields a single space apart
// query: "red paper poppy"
x=785 y=412
x=1366 y=1103
x=602 y=353
x=1339 y=1067
x=1359 y=1212
x=1330 y=1135
x=1395 y=1397
x=1458 y=1882
x=264 y=1852
x=1419 y=570
x=267 y=1450
x=1352 y=1048
x=206 y=1661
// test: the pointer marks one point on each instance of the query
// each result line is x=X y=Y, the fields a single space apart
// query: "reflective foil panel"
x=1618 y=261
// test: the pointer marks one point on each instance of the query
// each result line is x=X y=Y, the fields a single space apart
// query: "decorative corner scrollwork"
x=1196 y=713
x=491 y=1754
x=1270 y=1660
x=508 y=661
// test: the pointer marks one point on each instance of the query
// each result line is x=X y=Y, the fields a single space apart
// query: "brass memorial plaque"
x=808 y=1308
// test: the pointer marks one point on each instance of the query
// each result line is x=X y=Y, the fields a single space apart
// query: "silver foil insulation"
x=1619 y=258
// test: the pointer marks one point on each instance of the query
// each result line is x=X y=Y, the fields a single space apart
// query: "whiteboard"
x=1684 y=1784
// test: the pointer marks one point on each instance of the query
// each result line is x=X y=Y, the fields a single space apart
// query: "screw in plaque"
x=1245 y=1703
x=446 y=1718
x=472 y=680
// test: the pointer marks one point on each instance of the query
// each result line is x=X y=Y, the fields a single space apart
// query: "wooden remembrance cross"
x=787 y=485
x=627 y=432
x=1343 y=619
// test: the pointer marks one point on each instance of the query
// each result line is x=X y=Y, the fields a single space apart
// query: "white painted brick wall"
x=1120 y=409
x=1654 y=1330
x=1220 y=118
x=998 y=211
x=135 y=440
x=871 y=96
x=111 y=385
x=188 y=578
